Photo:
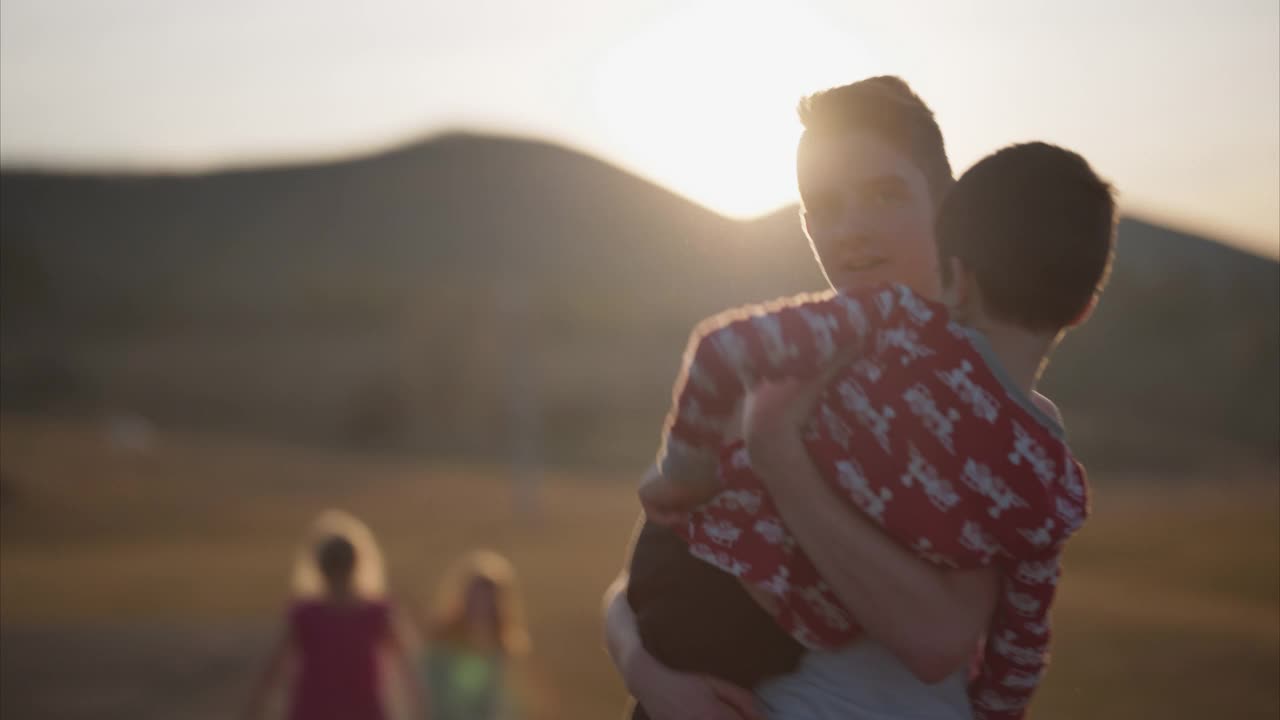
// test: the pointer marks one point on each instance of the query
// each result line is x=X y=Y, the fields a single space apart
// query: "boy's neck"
x=1023 y=355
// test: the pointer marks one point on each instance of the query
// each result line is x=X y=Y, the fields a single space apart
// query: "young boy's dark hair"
x=888 y=108
x=988 y=219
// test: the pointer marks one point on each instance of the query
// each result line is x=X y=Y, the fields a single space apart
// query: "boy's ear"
x=1085 y=313
x=961 y=280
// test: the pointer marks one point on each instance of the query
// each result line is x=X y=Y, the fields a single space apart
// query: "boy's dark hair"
x=1036 y=226
x=336 y=557
x=886 y=106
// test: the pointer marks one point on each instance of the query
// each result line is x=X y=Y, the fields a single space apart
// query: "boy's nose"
x=855 y=232
x=856 y=243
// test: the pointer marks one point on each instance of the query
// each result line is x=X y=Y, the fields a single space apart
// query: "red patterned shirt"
x=922 y=433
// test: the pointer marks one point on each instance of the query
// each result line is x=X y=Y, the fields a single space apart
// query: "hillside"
x=425 y=299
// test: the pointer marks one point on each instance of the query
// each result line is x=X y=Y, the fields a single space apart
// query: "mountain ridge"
x=471 y=249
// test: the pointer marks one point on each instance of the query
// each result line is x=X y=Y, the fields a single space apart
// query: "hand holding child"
x=773 y=421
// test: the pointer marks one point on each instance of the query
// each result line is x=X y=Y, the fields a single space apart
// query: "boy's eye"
x=885 y=197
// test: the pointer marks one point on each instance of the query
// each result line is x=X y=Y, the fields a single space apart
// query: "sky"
x=1177 y=102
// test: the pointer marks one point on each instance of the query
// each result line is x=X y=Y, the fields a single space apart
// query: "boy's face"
x=868 y=212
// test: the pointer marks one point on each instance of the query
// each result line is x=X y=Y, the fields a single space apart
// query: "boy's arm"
x=731 y=352
x=403 y=646
x=929 y=617
x=666 y=694
x=269 y=679
x=1017 y=650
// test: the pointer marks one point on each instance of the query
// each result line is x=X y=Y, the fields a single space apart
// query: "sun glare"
x=703 y=101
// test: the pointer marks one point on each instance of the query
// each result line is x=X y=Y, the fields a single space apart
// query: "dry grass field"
x=146 y=585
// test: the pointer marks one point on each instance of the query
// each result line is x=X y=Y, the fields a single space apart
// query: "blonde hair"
x=368 y=579
x=449 y=620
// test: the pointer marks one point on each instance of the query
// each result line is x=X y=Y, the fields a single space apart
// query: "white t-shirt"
x=863 y=681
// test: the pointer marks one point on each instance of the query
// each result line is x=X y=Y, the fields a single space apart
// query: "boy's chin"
x=861 y=280
x=855 y=280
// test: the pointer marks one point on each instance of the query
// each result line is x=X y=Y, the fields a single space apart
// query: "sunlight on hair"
x=369 y=580
x=704 y=101
x=449 y=613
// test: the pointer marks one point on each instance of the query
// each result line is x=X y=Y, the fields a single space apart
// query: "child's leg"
x=741 y=532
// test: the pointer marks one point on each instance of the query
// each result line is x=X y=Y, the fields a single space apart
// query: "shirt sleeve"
x=1017 y=646
x=731 y=352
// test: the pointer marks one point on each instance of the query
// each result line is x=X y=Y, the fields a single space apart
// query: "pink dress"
x=337 y=650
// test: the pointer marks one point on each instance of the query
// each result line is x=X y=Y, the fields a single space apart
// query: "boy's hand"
x=774 y=418
x=670 y=695
x=668 y=503
x=772 y=425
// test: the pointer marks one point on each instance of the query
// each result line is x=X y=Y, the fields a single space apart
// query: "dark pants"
x=693 y=617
